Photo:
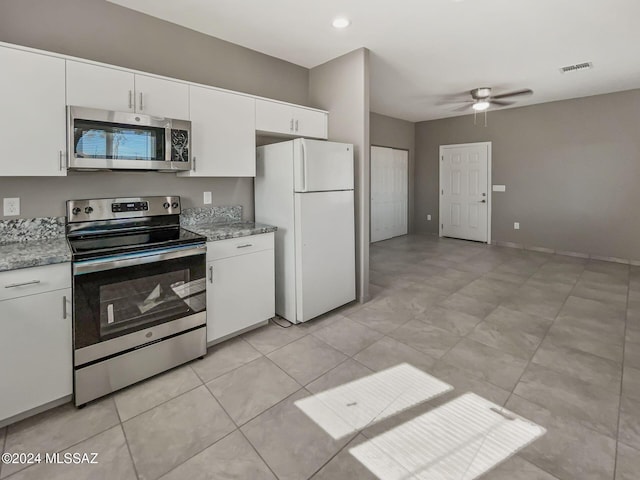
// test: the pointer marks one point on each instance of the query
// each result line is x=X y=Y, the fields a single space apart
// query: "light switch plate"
x=207 y=198
x=516 y=225
x=429 y=217
x=11 y=207
x=499 y=188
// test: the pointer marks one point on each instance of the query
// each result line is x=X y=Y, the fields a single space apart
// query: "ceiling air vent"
x=577 y=67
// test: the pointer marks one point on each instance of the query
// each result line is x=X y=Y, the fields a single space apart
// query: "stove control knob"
x=76 y=210
x=166 y=205
x=88 y=210
x=174 y=205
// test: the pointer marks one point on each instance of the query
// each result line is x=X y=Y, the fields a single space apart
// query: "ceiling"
x=423 y=51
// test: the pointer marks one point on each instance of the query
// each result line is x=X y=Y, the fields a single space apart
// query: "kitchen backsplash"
x=218 y=214
x=26 y=229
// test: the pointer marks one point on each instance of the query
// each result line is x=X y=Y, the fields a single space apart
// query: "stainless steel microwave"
x=106 y=140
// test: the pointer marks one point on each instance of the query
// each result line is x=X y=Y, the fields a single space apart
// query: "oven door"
x=117 y=299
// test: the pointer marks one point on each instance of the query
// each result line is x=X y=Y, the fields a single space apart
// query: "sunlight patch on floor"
x=459 y=440
x=357 y=404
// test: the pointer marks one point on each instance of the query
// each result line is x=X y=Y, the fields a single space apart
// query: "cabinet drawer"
x=29 y=281
x=239 y=246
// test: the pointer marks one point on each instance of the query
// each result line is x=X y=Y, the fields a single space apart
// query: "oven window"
x=116 y=302
x=115 y=141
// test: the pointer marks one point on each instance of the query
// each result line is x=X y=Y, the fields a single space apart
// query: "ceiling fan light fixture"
x=481 y=105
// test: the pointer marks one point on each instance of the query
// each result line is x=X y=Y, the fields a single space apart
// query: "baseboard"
x=602 y=258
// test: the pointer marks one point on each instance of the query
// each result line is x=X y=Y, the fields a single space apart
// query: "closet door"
x=389 y=192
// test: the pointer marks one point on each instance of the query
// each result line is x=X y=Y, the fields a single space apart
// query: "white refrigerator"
x=305 y=188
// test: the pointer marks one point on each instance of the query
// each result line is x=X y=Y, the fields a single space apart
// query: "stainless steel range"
x=139 y=291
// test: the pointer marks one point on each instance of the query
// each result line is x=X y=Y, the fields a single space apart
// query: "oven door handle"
x=137 y=258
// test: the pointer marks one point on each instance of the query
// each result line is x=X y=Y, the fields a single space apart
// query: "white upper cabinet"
x=113 y=89
x=100 y=87
x=289 y=120
x=162 y=98
x=223 y=134
x=310 y=123
x=32 y=123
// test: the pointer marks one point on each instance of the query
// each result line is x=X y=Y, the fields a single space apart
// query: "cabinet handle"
x=194 y=164
x=30 y=282
x=211 y=274
x=141 y=105
x=245 y=245
x=64 y=307
x=291 y=125
x=61 y=159
x=131 y=99
x=296 y=125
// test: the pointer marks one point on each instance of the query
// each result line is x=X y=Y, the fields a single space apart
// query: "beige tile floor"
x=553 y=338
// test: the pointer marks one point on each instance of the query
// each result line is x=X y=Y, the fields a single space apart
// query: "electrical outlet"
x=516 y=225
x=429 y=217
x=207 y=198
x=11 y=207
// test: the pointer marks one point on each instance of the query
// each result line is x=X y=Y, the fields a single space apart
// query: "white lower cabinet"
x=35 y=338
x=241 y=284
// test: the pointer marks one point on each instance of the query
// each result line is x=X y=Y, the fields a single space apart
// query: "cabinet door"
x=35 y=345
x=274 y=117
x=310 y=123
x=99 y=87
x=32 y=124
x=223 y=134
x=241 y=293
x=162 y=98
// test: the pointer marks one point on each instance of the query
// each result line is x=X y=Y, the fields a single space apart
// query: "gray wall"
x=341 y=86
x=392 y=132
x=571 y=169
x=101 y=31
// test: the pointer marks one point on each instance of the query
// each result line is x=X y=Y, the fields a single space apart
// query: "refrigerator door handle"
x=304 y=167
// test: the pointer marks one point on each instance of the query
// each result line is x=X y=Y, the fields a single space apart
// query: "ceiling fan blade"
x=501 y=103
x=463 y=108
x=517 y=93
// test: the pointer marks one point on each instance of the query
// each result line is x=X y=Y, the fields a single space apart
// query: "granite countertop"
x=222 y=231
x=34 y=253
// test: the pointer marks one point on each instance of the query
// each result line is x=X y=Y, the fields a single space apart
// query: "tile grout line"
x=624 y=346
x=544 y=336
x=531 y=359
x=211 y=444
x=440 y=360
x=68 y=447
x=126 y=440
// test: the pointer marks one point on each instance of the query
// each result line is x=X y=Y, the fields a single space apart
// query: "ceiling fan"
x=481 y=99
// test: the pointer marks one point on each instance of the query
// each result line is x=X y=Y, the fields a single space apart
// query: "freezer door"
x=325 y=252
x=322 y=166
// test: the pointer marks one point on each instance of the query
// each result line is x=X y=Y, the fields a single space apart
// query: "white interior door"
x=464 y=191
x=325 y=252
x=389 y=192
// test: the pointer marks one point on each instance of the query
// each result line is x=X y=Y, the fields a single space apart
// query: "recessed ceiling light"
x=341 y=22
